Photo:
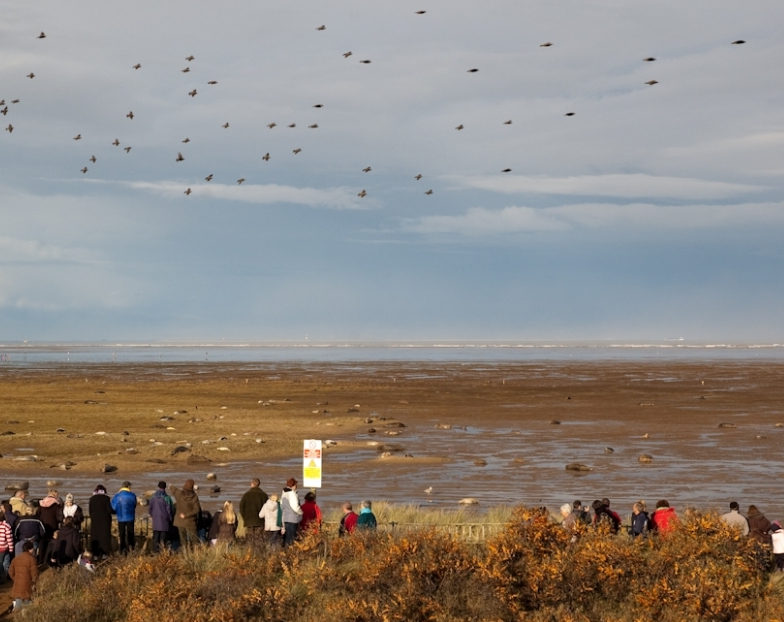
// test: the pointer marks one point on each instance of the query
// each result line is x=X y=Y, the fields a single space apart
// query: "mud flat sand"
x=499 y=432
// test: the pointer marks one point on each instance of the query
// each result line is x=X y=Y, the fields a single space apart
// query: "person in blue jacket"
x=124 y=505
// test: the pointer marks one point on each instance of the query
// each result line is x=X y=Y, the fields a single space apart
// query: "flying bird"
x=187 y=192
x=10 y=128
x=187 y=140
x=650 y=59
x=738 y=42
x=428 y=490
x=127 y=149
x=365 y=62
x=318 y=105
x=472 y=70
x=293 y=125
x=193 y=93
x=31 y=75
x=429 y=192
x=4 y=111
x=271 y=125
x=296 y=151
x=347 y=54
x=212 y=82
x=418 y=177
x=421 y=12
x=116 y=142
x=93 y=159
x=208 y=177
x=507 y=170
x=42 y=36
x=367 y=170
x=84 y=170
x=240 y=180
x=78 y=137
x=459 y=127
x=130 y=115
x=322 y=27
x=266 y=157
x=137 y=66
x=225 y=125
x=362 y=194
x=179 y=157
x=313 y=127
x=186 y=70
x=509 y=122
x=190 y=58
x=652 y=82
x=14 y=101
x=545 y=45
x=570 y=114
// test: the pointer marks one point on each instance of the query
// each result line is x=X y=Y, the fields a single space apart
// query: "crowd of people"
x=49 y=531
x=664 y=519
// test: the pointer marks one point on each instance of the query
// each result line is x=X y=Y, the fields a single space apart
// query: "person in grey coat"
x=292 y=513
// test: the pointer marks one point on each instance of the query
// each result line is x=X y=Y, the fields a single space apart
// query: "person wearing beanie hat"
x=162 y=513
x=74 y=511
x=100 y=507
x=187 y=512
x=124 y=505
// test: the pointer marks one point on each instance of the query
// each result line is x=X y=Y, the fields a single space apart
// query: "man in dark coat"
x=186 y=514
x=100 y=523
x=250 y=507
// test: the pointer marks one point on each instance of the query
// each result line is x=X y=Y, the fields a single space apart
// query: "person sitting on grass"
x=366 y=520
x=349 y=520
x=24 y=573
x=664 y=518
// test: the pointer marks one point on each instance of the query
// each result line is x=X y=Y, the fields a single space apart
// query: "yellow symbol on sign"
x=312 y=465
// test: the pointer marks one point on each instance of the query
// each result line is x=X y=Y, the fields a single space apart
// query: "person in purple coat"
x=162 y=513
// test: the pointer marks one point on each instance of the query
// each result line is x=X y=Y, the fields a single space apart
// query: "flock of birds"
x=4 y=109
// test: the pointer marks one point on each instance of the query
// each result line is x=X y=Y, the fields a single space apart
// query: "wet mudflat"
x=499 y=432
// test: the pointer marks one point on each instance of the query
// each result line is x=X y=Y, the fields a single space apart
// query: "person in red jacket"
x=664 y=518
x=311 y=514
x=349 y=520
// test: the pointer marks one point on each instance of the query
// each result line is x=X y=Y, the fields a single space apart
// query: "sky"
x=653 y=212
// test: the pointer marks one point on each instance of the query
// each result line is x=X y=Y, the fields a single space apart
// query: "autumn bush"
x=533 y=571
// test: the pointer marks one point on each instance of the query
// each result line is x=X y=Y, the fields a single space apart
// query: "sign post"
x=311 y=464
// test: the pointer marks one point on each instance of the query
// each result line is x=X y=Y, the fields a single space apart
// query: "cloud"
x=615 y=185
x=14 y=250
x=479 y=221
x=335 y=198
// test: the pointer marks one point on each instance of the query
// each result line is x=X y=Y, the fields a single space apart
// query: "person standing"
x=311 y=514
x=759 y=526
x=74 y=511
x=292 y=512
x=664 y=518
x=777 y=541
x=51 y=513
x=124 y=505
x=24 y=573
x=349 y=520
x=273 y=520
x=735 y=519
x=20 y=505
x=366 y=520
x=250 y=511
x=640 y=520
x=224 y=525
x=29 y=529
x=161 y=510
x=6 y=547
x=101 y=511
x=187 y=512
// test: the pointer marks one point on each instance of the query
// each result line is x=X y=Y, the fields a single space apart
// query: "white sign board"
x=311 y=464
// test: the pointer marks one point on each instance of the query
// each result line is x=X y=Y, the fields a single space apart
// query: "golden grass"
x=702 y=571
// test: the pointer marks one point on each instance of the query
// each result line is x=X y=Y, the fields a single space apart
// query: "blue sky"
x=654 y=212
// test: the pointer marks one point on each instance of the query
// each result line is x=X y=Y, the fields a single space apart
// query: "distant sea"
x=34 y=354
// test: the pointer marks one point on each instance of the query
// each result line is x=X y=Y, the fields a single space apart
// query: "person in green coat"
x=366 y=520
